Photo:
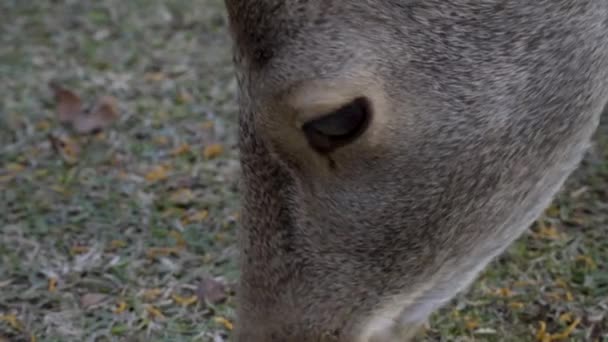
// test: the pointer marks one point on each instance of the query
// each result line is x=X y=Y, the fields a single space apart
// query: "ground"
x=128 y=234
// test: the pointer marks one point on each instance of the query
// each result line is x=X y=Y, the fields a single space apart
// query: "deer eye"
x=338 y=128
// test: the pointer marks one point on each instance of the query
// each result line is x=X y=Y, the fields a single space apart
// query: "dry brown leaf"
x=68 y=103
x=181 y=149
x=67 y=148
x=70 y=110
x=52 y=284
x=157 y=173
x=211 y=290
x=182 y=197
x=212 y=151
x=101 y=116
x=92 y=299
x=195 y=217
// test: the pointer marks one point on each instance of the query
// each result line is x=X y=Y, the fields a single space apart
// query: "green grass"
x=93 y=226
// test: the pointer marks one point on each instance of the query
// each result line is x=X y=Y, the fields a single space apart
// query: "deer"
x=391 y=149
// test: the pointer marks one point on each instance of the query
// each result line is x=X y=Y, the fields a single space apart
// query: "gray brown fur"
x=486 y=107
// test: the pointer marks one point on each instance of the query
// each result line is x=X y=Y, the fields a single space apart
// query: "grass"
x=107 y=243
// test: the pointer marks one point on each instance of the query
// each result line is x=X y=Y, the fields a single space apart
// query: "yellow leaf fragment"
x=152 y=294
x=223 y=321
x=184 y=97
x=179 y=239
x=161 y=140
x=503 y=292
x=184 y=301
x=195 y=217
x=155 y=76
x=14 y=167
x=207 y=125
x=120 y=307
x=567 y=332
x=561 y=283
x=117 y=244
x=154 y=312
x=587 y=260
x=182 y=197
x=548 y=232
x=569 y=296
x=79 y=250
x=471 y=323
x=157 y=173
x=565 y=317
x=541 y=334
x=43 y=125
x=12 y=320
x=516 y=305
x=213 y=150
x=162 y=251
x=52 y=284
x=181 y=149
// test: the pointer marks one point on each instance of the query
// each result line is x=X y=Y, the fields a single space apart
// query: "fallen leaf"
x=120 y=308
x=164 y=251
x=67 y=148
x=471 y=323
x=503 y=292
x=212 y=151
x=195 y=217
x=211 y=290
x=155 y=76
x=117 y=244
x=184 y=301
x=587 y=260
x=565 y=317
x=567 y=332
x=184 y=97
x=179 y=239
x=548 y=233
x=182 y=197
x=12 y=321
x=157 y=173
x=68 y=103
x=92 y=299
x=103 y=114
x=516 y=305
x=71 y=111
x=181 y=149
x=154 y=312
x=223 y=321
x=152 y=294
x=52 y=284
x=79 y=250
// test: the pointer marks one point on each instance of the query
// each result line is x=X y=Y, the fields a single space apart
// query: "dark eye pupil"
x=339 y=127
